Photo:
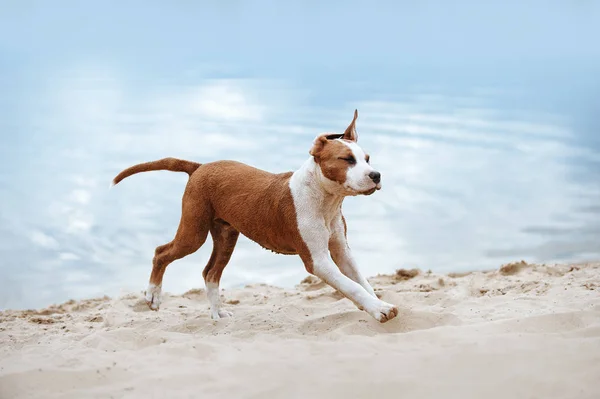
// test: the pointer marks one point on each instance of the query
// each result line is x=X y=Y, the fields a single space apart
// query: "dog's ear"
x=318 y=145
x=320 y=142
x=350 y=133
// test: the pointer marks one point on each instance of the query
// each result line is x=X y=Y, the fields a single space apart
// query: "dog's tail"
x=171 y=164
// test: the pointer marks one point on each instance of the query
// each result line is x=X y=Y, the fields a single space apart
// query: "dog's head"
x=344 y=166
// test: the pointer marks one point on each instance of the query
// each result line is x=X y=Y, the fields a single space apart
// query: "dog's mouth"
x=371 y=191
x=354 y=192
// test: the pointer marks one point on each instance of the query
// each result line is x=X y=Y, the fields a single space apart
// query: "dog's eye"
x=367 y=158
x=350 y=160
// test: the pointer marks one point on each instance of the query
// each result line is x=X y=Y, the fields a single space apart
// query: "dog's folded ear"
x=319 y=143
x=321 y=140
x=350 y=133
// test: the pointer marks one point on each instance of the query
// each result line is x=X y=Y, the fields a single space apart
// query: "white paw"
x=220 y=314
x=383 y=311
x=153 y=296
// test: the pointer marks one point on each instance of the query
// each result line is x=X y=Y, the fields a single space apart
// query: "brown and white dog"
x=289 y=213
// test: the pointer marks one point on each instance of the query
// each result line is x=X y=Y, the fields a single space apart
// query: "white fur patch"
x=316 y=209
x=153 y=296
x=214 y=300
x=357 y=176
x=346 y=263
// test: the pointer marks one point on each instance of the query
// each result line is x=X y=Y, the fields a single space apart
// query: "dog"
x=295 y=213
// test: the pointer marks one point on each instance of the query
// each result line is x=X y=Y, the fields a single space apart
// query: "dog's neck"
x=322 y=191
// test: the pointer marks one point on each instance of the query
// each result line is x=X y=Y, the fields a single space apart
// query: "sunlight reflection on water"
x=465 y=186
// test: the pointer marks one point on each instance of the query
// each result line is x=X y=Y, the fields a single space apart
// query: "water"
x=483 y=160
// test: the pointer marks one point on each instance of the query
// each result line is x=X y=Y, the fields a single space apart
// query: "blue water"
x=485 y=157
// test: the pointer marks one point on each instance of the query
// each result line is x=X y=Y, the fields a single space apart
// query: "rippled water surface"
x=481 y=164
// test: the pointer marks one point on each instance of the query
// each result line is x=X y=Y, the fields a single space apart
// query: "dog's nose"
x=375 y=176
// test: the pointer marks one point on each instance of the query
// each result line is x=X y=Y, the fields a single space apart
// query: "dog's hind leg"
x=191 y=234
x=224 y=239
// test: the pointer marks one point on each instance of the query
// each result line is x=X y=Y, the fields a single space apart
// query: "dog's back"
x=255 y=202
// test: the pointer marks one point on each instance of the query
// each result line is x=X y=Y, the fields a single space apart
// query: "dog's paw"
x=220 y=314
x=153 y=296
x=383 y=311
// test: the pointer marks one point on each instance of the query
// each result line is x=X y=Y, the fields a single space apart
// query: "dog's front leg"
x=342 y=256
x=317 y=258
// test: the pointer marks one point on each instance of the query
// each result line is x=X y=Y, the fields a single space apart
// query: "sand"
x=522 y=331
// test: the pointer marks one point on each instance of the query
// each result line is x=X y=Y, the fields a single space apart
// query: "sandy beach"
x=521 y=331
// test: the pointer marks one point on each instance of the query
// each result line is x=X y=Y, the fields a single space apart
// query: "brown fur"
x=327 y=154
x=170 y=164
x=350 y=132
x=227 y=198
x=336 y=248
